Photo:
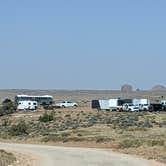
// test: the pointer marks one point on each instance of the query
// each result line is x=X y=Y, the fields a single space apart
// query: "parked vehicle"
x=27 y=105
x=163 y=104
x=156 y=107
x=65 y=104
x=41 y=100
x=100 y=104
x=107 y=104
x=115 y=104
x=143 y=104
x=130 y=107
x=144 y=107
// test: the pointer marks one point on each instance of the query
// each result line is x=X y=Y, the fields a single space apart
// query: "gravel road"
x=43 y=155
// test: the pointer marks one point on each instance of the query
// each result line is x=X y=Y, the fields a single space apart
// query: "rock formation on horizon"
x=126 y=88
x=158 y=88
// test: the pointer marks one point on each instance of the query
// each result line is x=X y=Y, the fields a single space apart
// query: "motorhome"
x=27 y=105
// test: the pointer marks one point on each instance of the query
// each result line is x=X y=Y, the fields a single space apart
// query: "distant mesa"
x=138 y=90
x=158 y=88
x=126 y=88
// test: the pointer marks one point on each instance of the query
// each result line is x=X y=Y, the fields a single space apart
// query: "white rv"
x=27 y=105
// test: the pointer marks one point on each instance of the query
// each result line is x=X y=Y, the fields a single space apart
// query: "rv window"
x=29 y=103
x=34 y=103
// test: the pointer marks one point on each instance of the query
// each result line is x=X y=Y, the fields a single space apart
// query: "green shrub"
x=129 y=143
x=6 y=122
x=156 y=142
x=46 y=117
x=65 y=134
x=8 y=107
x=101 y=139
x=19 y=129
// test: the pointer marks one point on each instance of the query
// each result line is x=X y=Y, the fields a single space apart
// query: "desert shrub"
x=67 y=115
x=136 y=128
x=65 y=134
x=8 y=107
x=19 y=129
x=156 y=142
x=147 y=124
x=6 y=122
x=162 y=124
x=130 y=143
x=52 y=138
x=101 y=139
x=46 y=117
x=73 y=139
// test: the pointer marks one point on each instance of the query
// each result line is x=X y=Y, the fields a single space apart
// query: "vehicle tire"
x=75 y=106
x=63 y=106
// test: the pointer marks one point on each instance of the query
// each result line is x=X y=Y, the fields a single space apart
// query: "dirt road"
x=41 y=155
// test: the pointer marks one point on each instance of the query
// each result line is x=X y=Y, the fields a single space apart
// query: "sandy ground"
x=44 y=155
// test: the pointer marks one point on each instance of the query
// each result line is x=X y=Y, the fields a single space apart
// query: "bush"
x=46 y=117
x=6 y=122
x=129 y=143
x=101 y=139
x=8 y=107
x=19 y=129
x=156 y=143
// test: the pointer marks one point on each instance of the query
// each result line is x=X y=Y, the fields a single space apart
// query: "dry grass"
x=135 y=133
x=6 y=158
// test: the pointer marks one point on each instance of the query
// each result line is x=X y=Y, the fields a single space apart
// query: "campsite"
x=127 y=132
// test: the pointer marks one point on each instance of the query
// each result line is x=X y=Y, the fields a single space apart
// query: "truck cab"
x=65 y=104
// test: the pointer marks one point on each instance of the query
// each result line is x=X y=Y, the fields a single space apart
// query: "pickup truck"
x=65 y=104
x=130 y=107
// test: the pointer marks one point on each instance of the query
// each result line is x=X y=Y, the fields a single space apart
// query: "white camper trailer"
x=115 y=104
x=140 y=101
x=100 y=104
x=27 y=105
x=107 y=104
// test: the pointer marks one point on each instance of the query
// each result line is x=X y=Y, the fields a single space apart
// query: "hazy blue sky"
x=89 y=44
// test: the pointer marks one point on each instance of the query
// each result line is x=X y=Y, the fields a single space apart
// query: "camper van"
x=27 y=105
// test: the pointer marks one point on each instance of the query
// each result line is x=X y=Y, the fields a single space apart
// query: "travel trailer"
x=27 y=105
x=107 y=104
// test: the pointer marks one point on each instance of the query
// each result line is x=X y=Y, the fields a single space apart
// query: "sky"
x=90 y=44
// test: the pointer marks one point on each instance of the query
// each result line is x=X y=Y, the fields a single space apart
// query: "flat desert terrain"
x=142 y=134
